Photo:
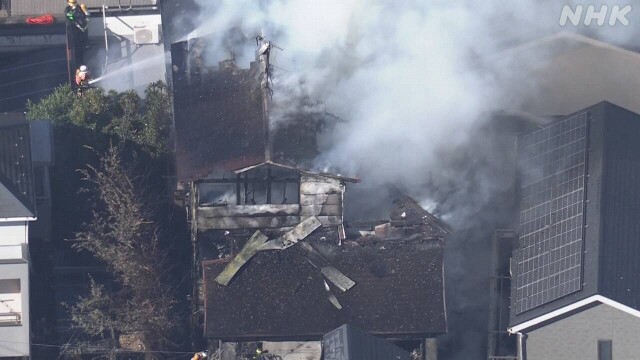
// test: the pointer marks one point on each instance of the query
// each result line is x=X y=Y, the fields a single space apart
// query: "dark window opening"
x=269 y=185
x=259 y=186
x=605 y=350
x=217 y=194
x=6 y=6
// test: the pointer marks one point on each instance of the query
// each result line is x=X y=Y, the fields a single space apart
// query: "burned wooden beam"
x=325 y=199
x=292 y=237
x=322 y=209
x=247 y=252
x=249 y=222
x=330 y=220
x=340 y=280
x=248 y=210
x=316 y=188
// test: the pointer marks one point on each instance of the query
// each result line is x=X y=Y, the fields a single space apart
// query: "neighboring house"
x=576 y=274
x=17 y=210
x=552 y=77
x=34 y=58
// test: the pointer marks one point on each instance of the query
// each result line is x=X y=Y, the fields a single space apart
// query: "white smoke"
x=415 y=82
x=410 y=77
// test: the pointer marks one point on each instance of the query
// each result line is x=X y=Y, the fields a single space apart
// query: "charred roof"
x=220 y=117
x=279 y=295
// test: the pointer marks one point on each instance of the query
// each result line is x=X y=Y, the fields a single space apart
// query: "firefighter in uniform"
x=82 y=79
x=77 y=28
x=202 y=355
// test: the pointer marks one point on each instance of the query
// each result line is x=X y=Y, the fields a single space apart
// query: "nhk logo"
x=616 y=14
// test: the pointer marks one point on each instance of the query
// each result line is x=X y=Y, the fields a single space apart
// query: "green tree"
x=124 y=116
x=113 y=146
x=124 y=236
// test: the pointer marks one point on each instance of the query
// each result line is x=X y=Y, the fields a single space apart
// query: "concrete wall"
x=576 y=337
x=14 y=339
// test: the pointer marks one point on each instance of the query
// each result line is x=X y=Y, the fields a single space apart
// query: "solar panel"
x=552 y=194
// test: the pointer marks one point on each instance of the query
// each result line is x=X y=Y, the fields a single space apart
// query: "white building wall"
x=14 y=339
x=13 y=233
x=576 y=337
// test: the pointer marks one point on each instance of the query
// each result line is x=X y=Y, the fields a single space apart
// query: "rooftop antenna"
x=264 y=56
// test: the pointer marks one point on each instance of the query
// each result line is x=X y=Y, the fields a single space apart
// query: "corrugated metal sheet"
x=350 y=343
x=39 y=7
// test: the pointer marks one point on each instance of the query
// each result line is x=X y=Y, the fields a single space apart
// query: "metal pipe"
x=106 y=40
x=522 y=346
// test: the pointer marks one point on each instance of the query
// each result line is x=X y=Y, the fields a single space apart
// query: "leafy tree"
x=113 y=146
x=125 y=116
x=124 y=235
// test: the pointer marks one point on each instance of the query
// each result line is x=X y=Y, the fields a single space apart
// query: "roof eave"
x=576 y=306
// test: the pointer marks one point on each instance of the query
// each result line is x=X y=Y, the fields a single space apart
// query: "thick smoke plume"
x=416 y=83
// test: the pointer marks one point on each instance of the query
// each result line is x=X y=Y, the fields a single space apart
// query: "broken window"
x=218 y=193
x=259 y=186
x=269 y=185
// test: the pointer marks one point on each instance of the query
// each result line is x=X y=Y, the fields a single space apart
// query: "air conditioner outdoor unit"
x=146 y=34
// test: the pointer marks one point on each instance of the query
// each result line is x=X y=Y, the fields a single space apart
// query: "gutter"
x=522 y=346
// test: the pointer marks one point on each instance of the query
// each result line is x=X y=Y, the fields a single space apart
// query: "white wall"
x=13 y=233
x=14 y=340
x=130 y=66
x=576 y=337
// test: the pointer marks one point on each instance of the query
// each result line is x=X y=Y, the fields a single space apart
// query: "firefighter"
x=200 y=355
x=82 y=76
x=82 y=79
x=77 y=27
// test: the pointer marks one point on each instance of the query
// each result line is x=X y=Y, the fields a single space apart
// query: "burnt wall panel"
x=218 y=115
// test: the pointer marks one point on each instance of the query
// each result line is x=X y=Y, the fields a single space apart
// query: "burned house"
x=273 y=257
x=394 y=285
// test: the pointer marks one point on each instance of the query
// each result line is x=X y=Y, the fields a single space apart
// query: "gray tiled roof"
x=10 y=206
x=16 y=173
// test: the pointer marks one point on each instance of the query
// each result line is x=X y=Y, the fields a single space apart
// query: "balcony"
x=10 y=318
x=11 y=254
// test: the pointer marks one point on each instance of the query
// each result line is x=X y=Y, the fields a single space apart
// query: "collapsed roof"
x=282 y=295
